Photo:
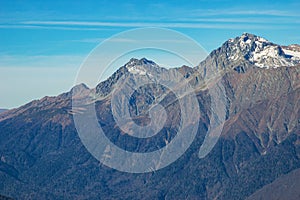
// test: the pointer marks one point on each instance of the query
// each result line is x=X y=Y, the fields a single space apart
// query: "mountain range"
x=42 y=156
x=2 y=110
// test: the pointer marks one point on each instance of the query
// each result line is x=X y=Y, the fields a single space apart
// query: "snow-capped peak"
x=293 y=51
x=261 y=52
x=137 y=70
x=140 y=67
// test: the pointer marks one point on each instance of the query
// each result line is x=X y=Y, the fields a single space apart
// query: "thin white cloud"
x=21 y=26
x=246 y=20
x=265 y=12
x=123 y=40
x=217 y=12
x=89 y=40
x=85 y=24
x=208 y=19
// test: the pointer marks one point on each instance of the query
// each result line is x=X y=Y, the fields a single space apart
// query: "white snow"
x=262 y=39
x=269 y=56
x=266 y=54
x=259 y=46
x=248 y=41
x=291 y=53
x=242 y=44
x=234 y=57
x=137 y=70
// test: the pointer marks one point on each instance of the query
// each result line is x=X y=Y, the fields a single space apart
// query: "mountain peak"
x=247 y=51
x=140 y=66
x=259 y=52
x=247 y=37
x=142 y=61
x=79 y=89
x=251 y=36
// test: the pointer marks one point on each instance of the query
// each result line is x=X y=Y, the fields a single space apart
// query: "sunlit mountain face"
x=42 y=156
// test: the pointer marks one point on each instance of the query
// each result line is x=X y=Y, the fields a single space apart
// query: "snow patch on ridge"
x=262 y=53
x=269 y=56
x=295 y=54
x=137 y=70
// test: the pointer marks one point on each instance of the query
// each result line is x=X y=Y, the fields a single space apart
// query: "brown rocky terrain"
x=42 y=156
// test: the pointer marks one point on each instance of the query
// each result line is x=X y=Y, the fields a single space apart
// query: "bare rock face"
x=248 y=51
x=42 y=156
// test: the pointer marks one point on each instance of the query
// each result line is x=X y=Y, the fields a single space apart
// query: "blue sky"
x=43 y=43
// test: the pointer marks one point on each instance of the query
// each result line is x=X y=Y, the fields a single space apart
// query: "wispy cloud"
x=125 y=40
x=245 y=20
x=235 y=18
x=93 y=24
x=39 y=26
x=89 y=40
x=228 y=12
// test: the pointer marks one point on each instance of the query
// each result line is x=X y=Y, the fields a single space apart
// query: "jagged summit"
x=140 y=66
x=248 y=51
x=250 y=36
x=259 y=52
x=142 y=61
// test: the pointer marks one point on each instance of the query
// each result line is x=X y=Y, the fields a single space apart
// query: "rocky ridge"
x=42 y=156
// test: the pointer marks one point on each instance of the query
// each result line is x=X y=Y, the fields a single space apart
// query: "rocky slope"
x=2 y=110
x=43 y=157
x=285 y=187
